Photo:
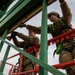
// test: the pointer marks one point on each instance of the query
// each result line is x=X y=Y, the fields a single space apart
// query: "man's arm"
x=18 y=43
x=35 y=29
x=67 y=16
x=30 y=27
x=29 y=39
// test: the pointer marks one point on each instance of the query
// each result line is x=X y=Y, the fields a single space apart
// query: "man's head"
x=31 y=33
x=53 y=16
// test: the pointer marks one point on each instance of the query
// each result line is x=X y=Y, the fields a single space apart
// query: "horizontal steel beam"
x=21 y=13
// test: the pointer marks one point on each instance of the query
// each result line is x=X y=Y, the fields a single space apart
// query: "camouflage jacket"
x=59 y=28
x=28 y=41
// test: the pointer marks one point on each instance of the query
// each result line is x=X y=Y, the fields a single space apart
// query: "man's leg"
x=66 y=56
x=28 y=66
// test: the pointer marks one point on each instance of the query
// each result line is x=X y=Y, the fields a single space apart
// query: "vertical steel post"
x=1 y=73
x=4 y=59
x=4 y=36
x=44 y=46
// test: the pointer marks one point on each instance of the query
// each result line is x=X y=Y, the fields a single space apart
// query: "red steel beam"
x=57 y=39
x=24 y=72
x=62 y=37
x=13 y=56
x=61 y=65
x=57 y=66
x=21 y=62
x=65 y=64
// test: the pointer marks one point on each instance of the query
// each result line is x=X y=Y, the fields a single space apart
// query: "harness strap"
x=53 y=27
x=60 y=45
x=58 y=49
x=62 y=23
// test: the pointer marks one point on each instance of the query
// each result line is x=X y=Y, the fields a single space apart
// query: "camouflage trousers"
x=27 y=65
x=67 y=54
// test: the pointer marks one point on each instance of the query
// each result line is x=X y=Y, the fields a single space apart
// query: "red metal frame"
x=20 y=69
x=36 y=49
x=57 y=39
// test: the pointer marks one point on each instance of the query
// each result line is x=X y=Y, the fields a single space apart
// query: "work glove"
x=61 y=1
x=22 y=25
x=13 y=34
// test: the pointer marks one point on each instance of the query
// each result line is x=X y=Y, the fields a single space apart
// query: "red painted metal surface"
x=63 y=65
x=13 y=56
x=21 y=62
x=57 y=39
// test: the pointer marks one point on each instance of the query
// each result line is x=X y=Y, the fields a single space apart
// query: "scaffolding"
x=9 y=23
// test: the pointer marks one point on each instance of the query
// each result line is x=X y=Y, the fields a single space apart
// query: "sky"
x=36 y=21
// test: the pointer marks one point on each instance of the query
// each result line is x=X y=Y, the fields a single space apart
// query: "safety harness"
x=60 y=45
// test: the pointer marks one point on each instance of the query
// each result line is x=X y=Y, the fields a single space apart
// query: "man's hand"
x=61 y=1
x=13 y=34
x=22 y=25
x=9 y=38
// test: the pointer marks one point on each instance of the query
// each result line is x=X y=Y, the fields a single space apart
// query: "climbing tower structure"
x=22 y=11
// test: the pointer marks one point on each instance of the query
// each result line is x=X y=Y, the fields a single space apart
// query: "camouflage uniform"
x=28 y=42
x=67 y=52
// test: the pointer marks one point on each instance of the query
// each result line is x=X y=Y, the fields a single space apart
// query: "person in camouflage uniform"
x=60 y=25
x=28 y=41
